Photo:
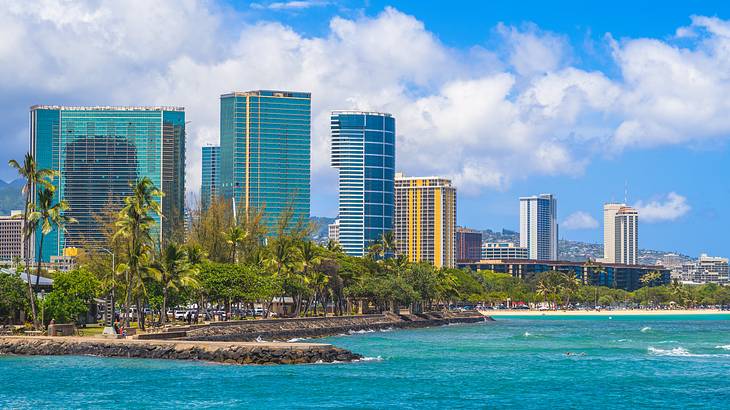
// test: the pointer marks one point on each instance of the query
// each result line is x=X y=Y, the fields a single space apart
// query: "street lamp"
x=109 y=321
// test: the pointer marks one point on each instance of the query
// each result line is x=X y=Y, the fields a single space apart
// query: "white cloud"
x=483 y=117
x=579 y=220
x=290 y=5
x=673 y=207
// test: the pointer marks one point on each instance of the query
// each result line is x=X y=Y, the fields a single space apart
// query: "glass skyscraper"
x=265 y=144
x=98 y=151
x=539 y=226
x=210 y=189
x=363 y=149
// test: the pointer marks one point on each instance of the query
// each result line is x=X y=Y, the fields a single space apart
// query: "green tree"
x=48 y=216
x=174 y=271
x=134 y=224
x=73 y=292
x=235 y=236
x=33 y=177
x=13 y=297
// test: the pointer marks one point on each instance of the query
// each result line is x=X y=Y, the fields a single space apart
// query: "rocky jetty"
x=233 y=353
x=299 y=328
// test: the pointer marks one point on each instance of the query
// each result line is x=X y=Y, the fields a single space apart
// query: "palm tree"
x=175 y=271
x=33 y=176
x=390 y=246
x=648 y=280
x=310 y=257
x=235 y=236
x=135 y=223
x=48 y=216
x=281 y=259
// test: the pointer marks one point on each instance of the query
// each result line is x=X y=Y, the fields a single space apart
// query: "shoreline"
x=623 y=312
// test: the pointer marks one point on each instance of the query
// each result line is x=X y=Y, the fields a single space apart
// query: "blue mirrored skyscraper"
x=98 y=151
x=265 y=145
x=363 y=149
x=210 y=188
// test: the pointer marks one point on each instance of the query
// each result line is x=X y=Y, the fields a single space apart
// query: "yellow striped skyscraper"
x=425 y=219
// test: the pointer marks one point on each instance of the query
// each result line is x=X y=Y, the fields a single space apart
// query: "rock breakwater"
x=232 y=353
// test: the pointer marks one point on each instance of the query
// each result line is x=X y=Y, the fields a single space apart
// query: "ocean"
x=636 y=362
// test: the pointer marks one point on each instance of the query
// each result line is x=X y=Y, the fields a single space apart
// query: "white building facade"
x=539 y=226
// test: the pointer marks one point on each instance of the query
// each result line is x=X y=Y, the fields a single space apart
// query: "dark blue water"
x=596 y=362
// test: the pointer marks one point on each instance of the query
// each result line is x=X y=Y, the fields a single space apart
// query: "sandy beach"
x=498 y=313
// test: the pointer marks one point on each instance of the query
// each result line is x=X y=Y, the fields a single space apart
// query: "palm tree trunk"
x=127 y=299
x=40 y=258
x=163 y=312
x=26 y=244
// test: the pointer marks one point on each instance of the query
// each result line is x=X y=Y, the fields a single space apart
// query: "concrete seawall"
x=220 y=352
x=286 y=329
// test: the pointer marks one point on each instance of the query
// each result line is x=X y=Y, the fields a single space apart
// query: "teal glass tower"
x=97 y=152
x=210 y=189
x=265 y=145
x=363 y=149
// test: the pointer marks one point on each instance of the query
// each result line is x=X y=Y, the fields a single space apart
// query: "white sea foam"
x=360 y=332
x=680 y=352
x=370 y=359
x=723 y=347
x=624 y=340
x=296 y=339
x=645 y=329
x=259 y=339
x=527 y=334
x=389 y=329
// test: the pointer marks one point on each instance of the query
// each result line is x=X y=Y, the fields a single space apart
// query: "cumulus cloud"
x=670 y=208
x=290 y=5
x=483 y=117
x=579 y=220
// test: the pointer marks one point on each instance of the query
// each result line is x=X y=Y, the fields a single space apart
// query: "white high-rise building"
x=620 y=234
x=609 y=231
x=539 y=226
x=627 y=236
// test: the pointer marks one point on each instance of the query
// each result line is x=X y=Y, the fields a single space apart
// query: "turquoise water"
x=629 y=362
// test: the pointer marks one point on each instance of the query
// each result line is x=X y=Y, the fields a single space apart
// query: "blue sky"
x=508 y=98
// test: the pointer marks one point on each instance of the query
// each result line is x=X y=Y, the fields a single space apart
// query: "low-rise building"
x=333 y=231
x=503 y=250
x=11 y=237
x=707 y=269
x=612 y=275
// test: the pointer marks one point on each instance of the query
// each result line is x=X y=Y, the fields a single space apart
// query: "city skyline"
x=532 y=102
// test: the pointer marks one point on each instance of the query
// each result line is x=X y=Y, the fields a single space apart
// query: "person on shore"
x=188 y=317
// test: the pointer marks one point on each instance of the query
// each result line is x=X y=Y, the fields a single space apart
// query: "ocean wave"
x=527 y=334
x=723 y=347
x=645 y=329
x=680 y=352
x=297 y=339
x=389 y=329
x=369 y=359
x=623 y=340
x=360 y=332
x=666 y=341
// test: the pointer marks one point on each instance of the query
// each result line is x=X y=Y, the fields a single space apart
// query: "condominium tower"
x=620 y=234
x=265 y=141
x=363 y=150
x=425 y=219
x=98 y=152
x=468 y=245
x=539 y=226
x=211 y=175
x=11 y=237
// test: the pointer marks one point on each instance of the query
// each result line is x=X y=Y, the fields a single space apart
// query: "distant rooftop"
x=106 y=108
x=268 y=93
x=355 y=112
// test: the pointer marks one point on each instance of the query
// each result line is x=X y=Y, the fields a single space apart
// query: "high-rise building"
x=468 y=245
x=620 y=234
x=609 y=231
x=363 y=150
x=11 y=237
x=626 y=235
x=503 y=250
x=211 y=175
x=265 y=145
x=539 y=226
x=425 y=219
x=333 y=231
x=98 y=152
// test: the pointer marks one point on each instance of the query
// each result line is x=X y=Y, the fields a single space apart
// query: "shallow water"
x=563 y=362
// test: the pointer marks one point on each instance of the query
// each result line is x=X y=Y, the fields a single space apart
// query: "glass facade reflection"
x=363 y=149
x=98 y=151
